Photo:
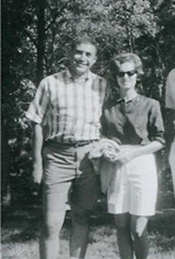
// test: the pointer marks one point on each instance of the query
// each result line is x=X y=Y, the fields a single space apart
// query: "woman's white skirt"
x=133 y=187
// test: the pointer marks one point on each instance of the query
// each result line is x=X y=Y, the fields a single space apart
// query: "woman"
x=135 y=122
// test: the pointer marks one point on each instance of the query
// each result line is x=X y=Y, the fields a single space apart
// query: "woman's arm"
x=148 y=149
x=128 y=155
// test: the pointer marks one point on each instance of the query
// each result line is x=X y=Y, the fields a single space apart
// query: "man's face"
x=82 y=58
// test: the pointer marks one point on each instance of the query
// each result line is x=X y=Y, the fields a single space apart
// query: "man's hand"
x=37 y=156
x=37 y=172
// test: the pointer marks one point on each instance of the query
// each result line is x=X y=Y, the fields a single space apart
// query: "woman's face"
x=127 y=76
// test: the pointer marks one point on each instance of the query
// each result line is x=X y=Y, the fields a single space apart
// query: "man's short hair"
x=83 y=38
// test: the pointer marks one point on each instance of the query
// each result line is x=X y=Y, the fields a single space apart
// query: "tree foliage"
x=36 y=41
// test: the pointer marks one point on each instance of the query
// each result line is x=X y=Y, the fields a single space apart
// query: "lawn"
x=21 y=224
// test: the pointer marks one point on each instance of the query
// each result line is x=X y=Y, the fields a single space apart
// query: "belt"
x=73 y=144
x=79 y=143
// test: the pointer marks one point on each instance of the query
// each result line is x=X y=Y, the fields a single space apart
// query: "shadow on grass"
x=22 y=224
x=162 y=229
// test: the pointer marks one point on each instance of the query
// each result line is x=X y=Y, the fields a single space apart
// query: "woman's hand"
x=126 y=156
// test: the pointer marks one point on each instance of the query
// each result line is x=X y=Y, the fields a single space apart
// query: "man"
x=66 y=112
x=170 y=105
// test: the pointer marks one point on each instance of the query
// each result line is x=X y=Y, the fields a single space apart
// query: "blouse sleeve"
x=37 y=108
x=103 y=121
x=102 y=125
x=156 y=126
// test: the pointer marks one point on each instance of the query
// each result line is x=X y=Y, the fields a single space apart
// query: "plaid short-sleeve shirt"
x=68 y=110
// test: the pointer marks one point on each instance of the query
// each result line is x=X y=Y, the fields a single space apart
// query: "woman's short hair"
x=128 y=57
x=116 y=61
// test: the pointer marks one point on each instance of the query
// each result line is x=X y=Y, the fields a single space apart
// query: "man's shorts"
x=69 y=178
x=134 y=188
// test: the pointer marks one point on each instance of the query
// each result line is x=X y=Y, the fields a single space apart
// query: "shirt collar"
x=79 y=81
x=134 y=100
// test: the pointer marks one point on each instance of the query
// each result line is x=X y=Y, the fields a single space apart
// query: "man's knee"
x=52 y=224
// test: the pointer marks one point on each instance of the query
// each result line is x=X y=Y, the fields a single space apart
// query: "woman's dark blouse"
x=137 y=122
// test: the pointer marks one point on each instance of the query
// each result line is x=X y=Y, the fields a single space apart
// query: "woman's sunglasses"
x=129 y=73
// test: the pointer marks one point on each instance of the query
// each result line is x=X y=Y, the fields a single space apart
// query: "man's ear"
x=94 y=61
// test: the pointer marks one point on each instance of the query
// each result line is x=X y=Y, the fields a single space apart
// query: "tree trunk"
x=5 y=167
x=41 y=39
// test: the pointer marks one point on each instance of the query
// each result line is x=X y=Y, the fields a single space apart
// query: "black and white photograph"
x=88 y=129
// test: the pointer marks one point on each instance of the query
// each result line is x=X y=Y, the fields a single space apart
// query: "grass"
x=21 y=225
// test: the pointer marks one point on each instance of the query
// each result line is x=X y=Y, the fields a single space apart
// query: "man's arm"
x=37 y=154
